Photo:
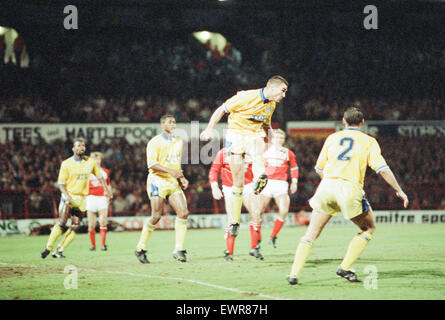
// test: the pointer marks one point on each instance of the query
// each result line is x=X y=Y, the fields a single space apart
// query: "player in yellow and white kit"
x=164 y=163
x=250 y=113
x=73 y=182
x=342 y=166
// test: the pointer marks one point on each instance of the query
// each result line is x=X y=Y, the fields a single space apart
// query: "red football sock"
x=277 y=227
x=230 y=243
x=254 y=235
x=92 y=237
x=103 y=235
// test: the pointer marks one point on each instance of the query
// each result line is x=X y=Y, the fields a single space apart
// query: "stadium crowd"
x=133 y=78
x=31 y=169
x=150 y=108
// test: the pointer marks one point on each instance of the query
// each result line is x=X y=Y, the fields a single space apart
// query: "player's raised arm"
x=207 y=134
x=388 y=176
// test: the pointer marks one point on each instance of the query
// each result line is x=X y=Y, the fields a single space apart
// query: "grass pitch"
x=409 y=260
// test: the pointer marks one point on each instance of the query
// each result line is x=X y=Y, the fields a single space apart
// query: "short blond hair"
x=276 y=80
x=96 y=154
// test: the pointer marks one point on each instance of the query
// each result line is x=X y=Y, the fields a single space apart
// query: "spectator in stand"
x=120 y=204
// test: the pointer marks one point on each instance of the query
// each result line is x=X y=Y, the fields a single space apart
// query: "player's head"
x=278 y=137
x=79 y=147
x=168 y=123
x=353 y=117
x=97 y=156
x=276 y=88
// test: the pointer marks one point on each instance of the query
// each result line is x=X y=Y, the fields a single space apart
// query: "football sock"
x=255 y=234
x=103 y=235
x=303 y=250
x=147 y=230
x=237 y=202
x=356 y=247
x=230 y=242
x=55 y=233
x=92 y=234
x=60 y=246
x=70 y=237
x=180 y=232
x=277 y=227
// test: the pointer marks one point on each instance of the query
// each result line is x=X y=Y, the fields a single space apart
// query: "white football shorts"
x=227 y=191
x=96 y=203
x=275 y=188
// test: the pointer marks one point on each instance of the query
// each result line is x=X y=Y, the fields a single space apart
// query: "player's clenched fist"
x=184 y=183
x=206 y=135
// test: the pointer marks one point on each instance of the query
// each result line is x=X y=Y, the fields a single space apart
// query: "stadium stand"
x=103 y=76
x=29 y=172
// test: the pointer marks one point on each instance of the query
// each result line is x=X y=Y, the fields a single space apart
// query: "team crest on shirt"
x=257 y=118
x=268 y=109
x=88 y=167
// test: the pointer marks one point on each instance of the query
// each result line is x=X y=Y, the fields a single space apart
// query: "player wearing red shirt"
x=278 y=162
x=97 y=203
x=221 y=164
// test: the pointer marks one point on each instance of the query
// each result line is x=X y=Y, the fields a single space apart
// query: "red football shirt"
x=96 y=188
x=221 y=164
x=278 y=161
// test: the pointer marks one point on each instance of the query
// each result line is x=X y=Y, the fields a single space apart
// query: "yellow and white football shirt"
x=75 y=173
x=343 y=160
x=167 y=152
x=346 y=155
x=249 y=111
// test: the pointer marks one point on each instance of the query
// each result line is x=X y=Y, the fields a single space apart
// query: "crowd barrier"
x=205 y=221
